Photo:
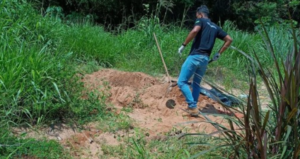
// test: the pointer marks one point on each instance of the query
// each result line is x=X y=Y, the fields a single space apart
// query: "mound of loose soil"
x=148 y=96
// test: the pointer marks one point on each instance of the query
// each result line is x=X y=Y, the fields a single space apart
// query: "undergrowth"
x=43 y=59
x=12 y=147
x=143 y=146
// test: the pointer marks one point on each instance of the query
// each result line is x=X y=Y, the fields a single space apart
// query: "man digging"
x=204 y=34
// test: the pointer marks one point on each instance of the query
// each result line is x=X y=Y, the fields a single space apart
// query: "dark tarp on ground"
x=220 y=97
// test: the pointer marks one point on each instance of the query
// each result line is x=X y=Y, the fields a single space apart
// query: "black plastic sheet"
x=220 y=97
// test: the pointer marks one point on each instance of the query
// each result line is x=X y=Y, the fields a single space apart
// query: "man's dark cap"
x=203 y=9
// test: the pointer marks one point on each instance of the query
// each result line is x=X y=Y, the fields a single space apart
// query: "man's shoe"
x=194 y=112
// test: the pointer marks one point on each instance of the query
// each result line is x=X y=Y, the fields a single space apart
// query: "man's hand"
x=180 y=50
x=216 y=56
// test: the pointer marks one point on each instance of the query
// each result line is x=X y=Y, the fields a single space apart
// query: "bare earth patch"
x=148 y=96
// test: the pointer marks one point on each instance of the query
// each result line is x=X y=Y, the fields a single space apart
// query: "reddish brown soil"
x=148 y=96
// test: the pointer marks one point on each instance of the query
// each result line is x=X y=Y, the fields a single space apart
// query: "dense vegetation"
x=124 y=14
x=43 y=55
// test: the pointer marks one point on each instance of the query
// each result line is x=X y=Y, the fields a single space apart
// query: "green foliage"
x=283 y=90
x=135 y=49
x=114 y=14
x=40 y=58
x=164 y=147
x=114 y=123
x=38 y=82
x=88 y=42
x=12 y=147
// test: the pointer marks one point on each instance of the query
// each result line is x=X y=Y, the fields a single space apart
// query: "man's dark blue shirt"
x=205 y=39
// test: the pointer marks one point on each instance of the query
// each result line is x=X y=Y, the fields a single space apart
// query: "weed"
x=137 y=102
x=140 y=146
x=127 y=109
x=12 y=147
x=113 y=123
x=159 y=119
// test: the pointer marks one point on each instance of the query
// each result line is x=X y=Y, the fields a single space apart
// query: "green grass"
x=139 y=146
x=113 y=122
x=38 y=75
x=24 y=147
x=38 y=82
x=135 y=49
x=43 y=59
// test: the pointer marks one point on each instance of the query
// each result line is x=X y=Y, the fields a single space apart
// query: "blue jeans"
x=194 y=65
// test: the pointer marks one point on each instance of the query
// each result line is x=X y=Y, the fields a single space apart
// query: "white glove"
x=216 y=56
x=180 y=50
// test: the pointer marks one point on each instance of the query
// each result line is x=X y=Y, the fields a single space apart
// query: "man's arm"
x=227 y=42
x=192 y=34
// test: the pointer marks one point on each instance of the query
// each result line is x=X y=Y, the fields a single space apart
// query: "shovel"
x=165 y=66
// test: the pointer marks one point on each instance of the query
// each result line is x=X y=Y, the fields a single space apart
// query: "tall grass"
x=38 y=82
x=135 y=49
x=132 y=50
x=37 y=76
x=88 y=42
x=39 y=57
